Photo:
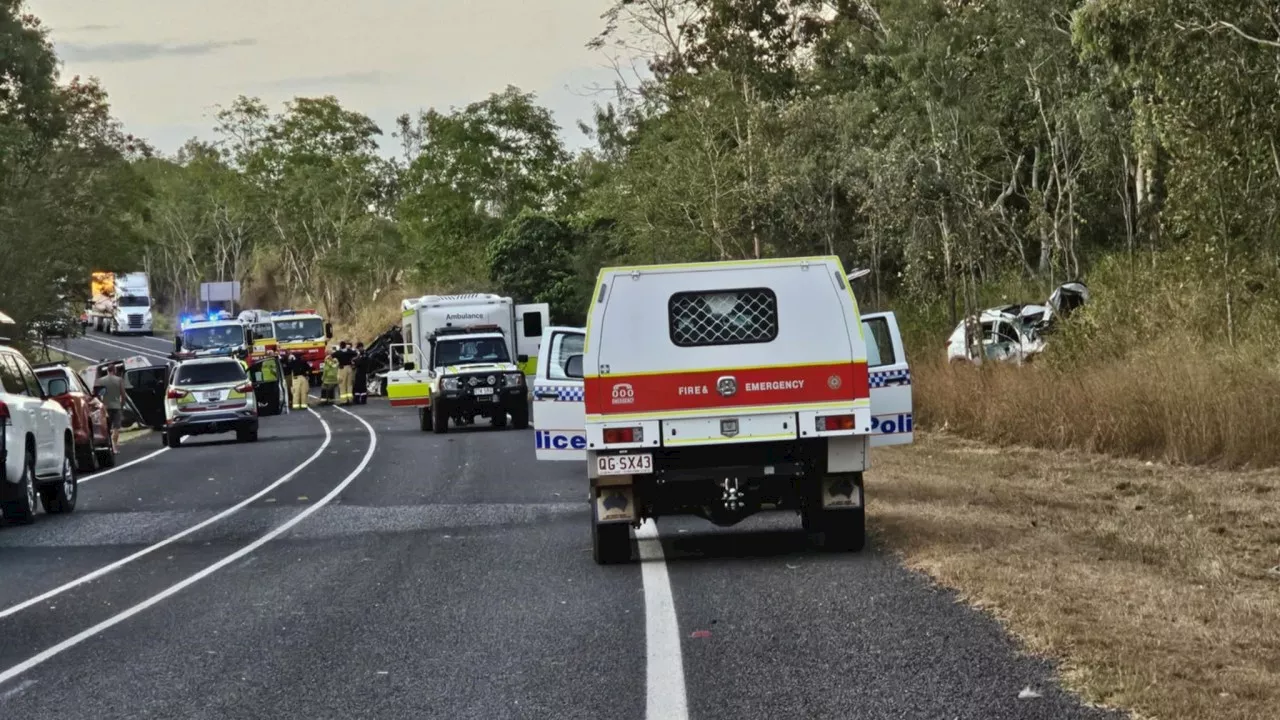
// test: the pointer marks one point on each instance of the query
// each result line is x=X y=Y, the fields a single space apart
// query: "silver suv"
x=210 y=395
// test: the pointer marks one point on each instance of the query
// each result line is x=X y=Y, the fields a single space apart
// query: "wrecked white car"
x=1014 y=333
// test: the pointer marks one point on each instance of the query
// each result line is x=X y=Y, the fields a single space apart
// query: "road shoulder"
x=1150 y=584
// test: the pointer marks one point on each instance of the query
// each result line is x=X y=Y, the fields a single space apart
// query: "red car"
x=88 y=415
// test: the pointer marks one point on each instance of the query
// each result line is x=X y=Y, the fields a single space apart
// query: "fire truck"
x=304 y=333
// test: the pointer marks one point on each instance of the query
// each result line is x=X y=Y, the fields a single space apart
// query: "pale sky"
x=167 y=63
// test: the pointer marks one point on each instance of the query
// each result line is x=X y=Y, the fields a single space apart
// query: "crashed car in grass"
x=1014 y=333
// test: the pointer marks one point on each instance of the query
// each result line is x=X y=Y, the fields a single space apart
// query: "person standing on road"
x=300 y=371
x=113 y=398
x=329 y=378
x=360 y=384
x=345 y=357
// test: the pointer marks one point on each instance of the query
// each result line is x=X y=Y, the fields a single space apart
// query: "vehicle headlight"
x=449 y=384
x=513 y=379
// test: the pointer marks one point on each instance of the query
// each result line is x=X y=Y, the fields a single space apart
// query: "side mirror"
x=328 y=331
x=573 y=368
x=177 y=343
x=522 y=359
x=100 y=392
x=410 y=366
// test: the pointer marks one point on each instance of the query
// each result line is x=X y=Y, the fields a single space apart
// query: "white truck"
x=120 y=303
x=721 y=390
x=466 y=356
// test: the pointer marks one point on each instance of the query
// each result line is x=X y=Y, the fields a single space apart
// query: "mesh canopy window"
x=723 y=317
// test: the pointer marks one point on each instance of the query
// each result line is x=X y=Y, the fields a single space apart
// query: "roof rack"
x=51 y=363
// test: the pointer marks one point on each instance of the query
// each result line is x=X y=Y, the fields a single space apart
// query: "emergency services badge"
x=833 y=382
x=727 y=385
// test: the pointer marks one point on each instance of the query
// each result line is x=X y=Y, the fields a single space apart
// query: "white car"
x=37 y=449
x=1005 y=337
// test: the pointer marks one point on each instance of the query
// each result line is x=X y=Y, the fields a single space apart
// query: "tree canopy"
x=948 y=145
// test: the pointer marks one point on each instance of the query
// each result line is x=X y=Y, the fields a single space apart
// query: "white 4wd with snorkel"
x=721 y=390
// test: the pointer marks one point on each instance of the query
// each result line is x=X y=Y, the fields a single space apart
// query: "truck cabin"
x=212 y=337
x=300 y=326
x=470 y=344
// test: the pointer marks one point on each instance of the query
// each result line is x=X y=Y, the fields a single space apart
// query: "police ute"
x=721 y=390
x=465 y=357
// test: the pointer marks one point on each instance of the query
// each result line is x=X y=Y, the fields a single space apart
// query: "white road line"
x=665 y=694
x=105 y=569
x=151 y=353
x=172 y=590
x=118 y=468
x=65 y=351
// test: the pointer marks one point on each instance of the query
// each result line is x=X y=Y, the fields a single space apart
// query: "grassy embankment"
x=1141 y=544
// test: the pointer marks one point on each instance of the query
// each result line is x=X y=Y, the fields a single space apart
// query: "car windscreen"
x=299 y=329
x=213 y=338
x=474 y=350
x=134 y=301
x=210 y=373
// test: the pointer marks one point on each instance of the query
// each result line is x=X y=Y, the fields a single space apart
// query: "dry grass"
x=1154 y=585
x=1175 y=405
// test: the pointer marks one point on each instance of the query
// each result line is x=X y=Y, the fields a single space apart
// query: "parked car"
x=37 y=446
x=89 y=425
x=210 y=395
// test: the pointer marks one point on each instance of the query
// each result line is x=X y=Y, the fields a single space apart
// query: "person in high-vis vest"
x=329 y=378
x=300 y=374
x=270 y=365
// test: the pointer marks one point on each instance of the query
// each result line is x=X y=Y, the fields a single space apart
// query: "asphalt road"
x=350 y=566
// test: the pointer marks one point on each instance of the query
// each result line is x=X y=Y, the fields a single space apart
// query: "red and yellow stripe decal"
x=683 y=391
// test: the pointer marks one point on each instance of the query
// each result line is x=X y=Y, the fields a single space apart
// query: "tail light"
x=4 y=412
x=616 y=436
x=245 y=387
x=176 y=393
x=836 y=422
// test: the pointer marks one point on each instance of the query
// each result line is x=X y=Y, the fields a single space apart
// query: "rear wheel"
x=18 y=502
x=86 y=457
x=61 y=496
x=439 y=420
x=425 y=419
x=611 y=543
x=107 y=455
x=172 y=439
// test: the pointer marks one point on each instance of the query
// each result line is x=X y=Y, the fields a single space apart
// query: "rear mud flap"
x=841 y=492
x=615 y=504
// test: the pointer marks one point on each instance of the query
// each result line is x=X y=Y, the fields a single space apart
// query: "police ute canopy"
x=721 y=390
x=466 y=357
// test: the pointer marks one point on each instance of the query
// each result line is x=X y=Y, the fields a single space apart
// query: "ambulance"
x=304 y=333
x=721 y=390
x=466 y=357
